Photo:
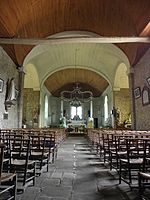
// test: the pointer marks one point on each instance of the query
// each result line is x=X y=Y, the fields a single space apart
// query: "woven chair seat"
x=21 y=162
x=38 y=153
x=145 y=175
x=7 y=176
x=133 y=160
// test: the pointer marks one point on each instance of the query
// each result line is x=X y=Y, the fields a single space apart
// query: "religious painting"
x=148 y=81
x=137 y=92
x=145 y=96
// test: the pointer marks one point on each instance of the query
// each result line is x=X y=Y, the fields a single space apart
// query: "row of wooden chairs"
x=126 y=151
x=58 y=135
x=8 y=181
x=25 y=154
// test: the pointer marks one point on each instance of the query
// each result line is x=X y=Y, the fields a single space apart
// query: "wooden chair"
x=143 y=182
x=38 y=152
x=107 y=145
x=54 y=144
x=144 y=176
x=8 y=181
x=51 y=146
x=134 y=162
x=20 y=163
x=118 y=150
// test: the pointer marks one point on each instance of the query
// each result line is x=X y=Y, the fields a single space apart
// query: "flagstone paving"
x=78 y=174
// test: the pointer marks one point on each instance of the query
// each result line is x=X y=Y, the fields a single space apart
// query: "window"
x=46 y=110
x=76 y=112
x=106 y=108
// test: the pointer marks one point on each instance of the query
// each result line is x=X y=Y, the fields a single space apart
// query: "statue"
x=117 y=116
x=11 y=90
x=128 y=119
x=62 y=122
x=10 y=98
x=35 y=115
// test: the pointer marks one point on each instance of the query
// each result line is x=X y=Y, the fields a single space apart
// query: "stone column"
x=91 y=108
x=83 y=111
x=132 y=102
x=62 y=107
x=20 y=96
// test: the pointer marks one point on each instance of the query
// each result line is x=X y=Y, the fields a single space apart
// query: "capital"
x=130 y=71
x=21 y=69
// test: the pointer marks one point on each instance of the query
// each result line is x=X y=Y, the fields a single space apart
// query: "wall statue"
x=10 y=98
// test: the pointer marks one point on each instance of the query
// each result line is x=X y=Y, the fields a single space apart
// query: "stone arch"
x=121 y=77
x=121 y=95
x=31 y=77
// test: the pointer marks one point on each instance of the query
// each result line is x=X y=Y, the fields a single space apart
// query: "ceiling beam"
x=102 y=40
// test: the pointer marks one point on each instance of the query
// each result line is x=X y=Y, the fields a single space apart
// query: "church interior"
x=75 y=99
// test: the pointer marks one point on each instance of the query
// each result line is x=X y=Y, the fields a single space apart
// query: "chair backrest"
x=136 y=147
x=14 y=145
x=1 y=157
x=19 y=148
x=37 y=142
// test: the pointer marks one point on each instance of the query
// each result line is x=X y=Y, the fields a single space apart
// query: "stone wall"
x=7 y=71
x=31 y=101
x=122 y=102
x=141 y=73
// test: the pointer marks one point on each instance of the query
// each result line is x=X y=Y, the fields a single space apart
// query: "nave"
x=78 y=174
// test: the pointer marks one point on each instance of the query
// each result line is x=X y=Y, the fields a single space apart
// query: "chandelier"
x=76 y=97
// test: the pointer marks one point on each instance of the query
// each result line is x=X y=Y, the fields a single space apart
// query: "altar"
x=76 y=126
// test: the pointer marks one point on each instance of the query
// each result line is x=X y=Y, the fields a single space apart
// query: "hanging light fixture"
x=76 y=97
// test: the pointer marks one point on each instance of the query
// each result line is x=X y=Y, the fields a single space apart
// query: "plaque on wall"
x=148 y=81
x=145 y=96
x=5 y=116
x=137 y=92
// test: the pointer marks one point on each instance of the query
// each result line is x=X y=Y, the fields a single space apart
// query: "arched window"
x=46 y=109
x=76 y=112
x=106 y=108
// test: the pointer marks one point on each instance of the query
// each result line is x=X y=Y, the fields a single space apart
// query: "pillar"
x=83 y=114
x=62 y=107
x=131 y=89
x=20 y=96
x=91 y=108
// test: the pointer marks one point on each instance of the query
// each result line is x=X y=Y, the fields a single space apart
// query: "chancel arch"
x=122 y=99
x=59 y=66
x=31 y=98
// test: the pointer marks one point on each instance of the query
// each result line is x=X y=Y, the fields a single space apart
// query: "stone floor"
x=78 y=174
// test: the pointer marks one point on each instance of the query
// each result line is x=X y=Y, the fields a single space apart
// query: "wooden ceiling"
x=42 y=18
x=88 y=80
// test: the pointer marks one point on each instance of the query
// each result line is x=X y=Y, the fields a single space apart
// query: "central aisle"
x=77 y=174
